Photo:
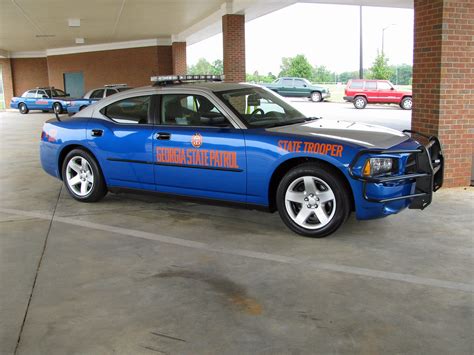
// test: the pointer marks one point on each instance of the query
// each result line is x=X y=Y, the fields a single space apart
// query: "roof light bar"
x=114 y=85
x=168 y=79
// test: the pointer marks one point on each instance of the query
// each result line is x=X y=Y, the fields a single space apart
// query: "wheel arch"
x=291 y=163
x=65 y=151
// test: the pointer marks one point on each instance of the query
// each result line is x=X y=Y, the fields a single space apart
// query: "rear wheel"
x=23 y=108
x=312 y=201
x=57 y=108
x=316 y=96
x=407 y=103
x=82 y=176
x=360 y=102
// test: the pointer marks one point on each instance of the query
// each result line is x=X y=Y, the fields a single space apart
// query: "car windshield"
x=260 y=108
x=55 y=93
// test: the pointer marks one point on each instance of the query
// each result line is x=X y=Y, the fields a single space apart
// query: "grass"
x=2 y=104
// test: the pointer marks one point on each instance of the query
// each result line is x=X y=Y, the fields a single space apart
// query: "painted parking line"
x=250 y=254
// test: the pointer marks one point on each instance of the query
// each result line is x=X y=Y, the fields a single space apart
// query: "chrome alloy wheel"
x=310 y=202
x=407 y=104
x=79 y=176
x=359 y=102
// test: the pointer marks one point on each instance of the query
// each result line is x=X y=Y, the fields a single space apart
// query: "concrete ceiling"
x=40 y=25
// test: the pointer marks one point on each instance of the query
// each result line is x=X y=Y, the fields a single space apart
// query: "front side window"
x=191 y=110
x=97 y=94
x=258 y=107
x=134 y=110
x=300 y=83
x=40 y=94
x=383 y=85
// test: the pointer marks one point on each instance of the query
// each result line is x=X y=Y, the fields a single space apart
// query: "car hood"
x=360 y=134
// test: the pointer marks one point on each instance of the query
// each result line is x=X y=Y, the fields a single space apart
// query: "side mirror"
x=305 y=86
x=45 y=97
x=67 y=95
x=392 y=88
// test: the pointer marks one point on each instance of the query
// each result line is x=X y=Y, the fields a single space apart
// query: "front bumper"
x=325 y=95
x=426 y=174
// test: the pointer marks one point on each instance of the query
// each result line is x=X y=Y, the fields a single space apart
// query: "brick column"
x=443 y=81
x=7 y=78
x=179 y=58
x=233 y=33
x=165 y=60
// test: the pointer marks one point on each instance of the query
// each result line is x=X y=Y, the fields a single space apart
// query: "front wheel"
x=316 y=96
x=23 y=108
x=312 y=201
x=407 y=103
x=82 y=176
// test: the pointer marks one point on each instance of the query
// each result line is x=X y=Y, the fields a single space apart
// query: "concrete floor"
x=143 y=275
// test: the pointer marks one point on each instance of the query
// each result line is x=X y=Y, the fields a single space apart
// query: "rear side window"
x=97 y=94
x=134 y=110
x=357 y=85
x=110 y=92
x=31 y=93
x=371 y=85
x=287 y=82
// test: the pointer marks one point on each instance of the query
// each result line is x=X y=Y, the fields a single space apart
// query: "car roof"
x=199 y=85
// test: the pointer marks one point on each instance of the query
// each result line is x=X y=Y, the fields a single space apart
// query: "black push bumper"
x=426 y=170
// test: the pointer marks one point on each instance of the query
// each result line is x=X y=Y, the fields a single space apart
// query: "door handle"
x=97 y=133
x=163 y=136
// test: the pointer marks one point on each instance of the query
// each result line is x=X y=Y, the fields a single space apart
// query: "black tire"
x=99 y=188
x=359 y=102
x=407 y=103
x=45 y=111
x=57 y=108
x=321 y=172
x=316 y=96
x=23 y=108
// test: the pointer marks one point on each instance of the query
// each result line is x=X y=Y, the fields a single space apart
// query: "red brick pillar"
x=443 y=81
x=179 y=58
x=7 y=78
x=233 y=33
x=164 y=60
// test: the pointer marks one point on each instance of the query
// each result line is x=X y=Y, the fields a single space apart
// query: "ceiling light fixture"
x=74 y=22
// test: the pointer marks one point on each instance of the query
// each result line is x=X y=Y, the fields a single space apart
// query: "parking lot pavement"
x=146 y=274
x=391 y=116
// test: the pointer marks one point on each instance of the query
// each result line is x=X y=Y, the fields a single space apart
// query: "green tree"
x=205 y=67
x=322 y=75
x=402 y=74
x=344 y=77
x=297 y=66
x=380 y=69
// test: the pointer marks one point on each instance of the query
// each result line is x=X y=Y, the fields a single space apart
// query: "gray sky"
x=327 y=34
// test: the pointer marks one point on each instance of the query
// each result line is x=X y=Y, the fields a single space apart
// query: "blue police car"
x=42 y=98
x=240 y=143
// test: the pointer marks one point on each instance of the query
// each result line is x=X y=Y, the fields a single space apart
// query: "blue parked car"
x=241 y=144
x=95 y=95
x=45 y=99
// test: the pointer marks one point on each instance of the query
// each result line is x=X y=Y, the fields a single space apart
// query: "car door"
x=122 y=139
x=386 y=93
x=301 y=88
x=197 y=150
x=30 y=99
x=370 y=90
x=287 y=87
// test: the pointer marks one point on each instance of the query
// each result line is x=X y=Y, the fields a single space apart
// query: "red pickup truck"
x=361 y=92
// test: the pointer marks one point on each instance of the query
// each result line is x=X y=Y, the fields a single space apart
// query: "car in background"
x=298 y=87
x=241 y=143
x=362 y=92
x=95 y=95
x=42 y=98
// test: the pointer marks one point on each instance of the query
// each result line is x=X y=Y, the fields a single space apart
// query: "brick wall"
x=5 y=64
x=233 y=33
x=165 y=60
x=443 y=81
x=179 y=58
x=28 y=73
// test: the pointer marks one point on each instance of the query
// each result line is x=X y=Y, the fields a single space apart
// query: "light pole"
x=361 y=61
x=383 y=34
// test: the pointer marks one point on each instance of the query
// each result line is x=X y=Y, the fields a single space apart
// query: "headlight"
x=379 y=166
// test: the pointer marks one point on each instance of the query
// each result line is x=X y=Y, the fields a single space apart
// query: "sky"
x=327 y=34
